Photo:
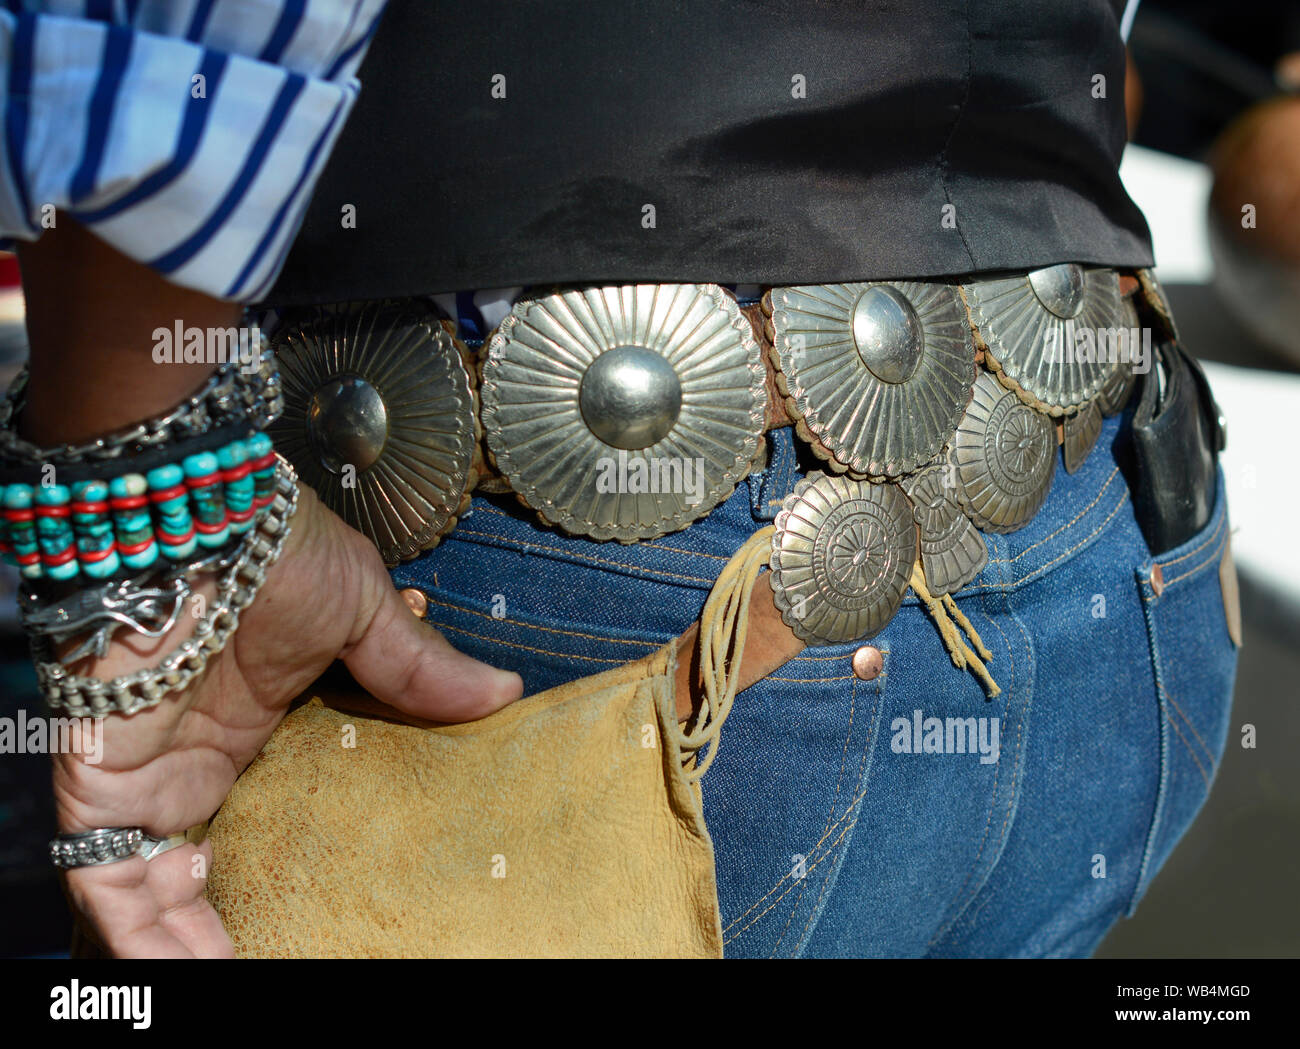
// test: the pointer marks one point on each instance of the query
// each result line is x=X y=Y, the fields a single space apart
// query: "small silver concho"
x=1042 y=331
x=379 y=419
x=1154 y=296
x=842 y=557
x=878 y=374
x=1117 y=388
x=1004 y=454
x=952 y=550
x=1081 y=432
x=624 y=412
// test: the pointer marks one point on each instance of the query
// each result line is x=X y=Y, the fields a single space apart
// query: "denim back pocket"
x=784 y=797
x=1194 y=661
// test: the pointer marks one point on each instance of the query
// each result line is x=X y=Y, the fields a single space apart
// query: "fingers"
x=153 y=909
x=409 y=665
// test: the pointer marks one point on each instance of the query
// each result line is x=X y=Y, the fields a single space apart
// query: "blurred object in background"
x=1254 y=221
x=1132 y=96
x=13 y=330
x=13 y=351
x=1216 y=130
x=33 y=916
x=1287 y=72
x=1203 y=62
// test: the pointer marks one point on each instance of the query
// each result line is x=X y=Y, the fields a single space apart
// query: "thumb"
x=407 y=664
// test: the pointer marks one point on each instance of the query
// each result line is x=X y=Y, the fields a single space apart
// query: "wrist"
x=91 y=322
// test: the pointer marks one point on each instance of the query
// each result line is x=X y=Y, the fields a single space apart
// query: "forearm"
x=91 y=314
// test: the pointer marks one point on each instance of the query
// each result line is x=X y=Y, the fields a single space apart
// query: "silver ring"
x=103 y=845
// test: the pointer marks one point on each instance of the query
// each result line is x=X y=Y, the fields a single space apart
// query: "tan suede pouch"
x=568 y=824
x=561 y=825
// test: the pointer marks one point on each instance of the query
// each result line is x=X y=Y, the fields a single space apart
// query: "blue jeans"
x=843 y=821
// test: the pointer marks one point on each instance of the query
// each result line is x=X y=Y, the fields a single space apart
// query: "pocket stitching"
x=1069 y=524
x=827 y=854
x=811 y=851
x=548 y=629
x=631 y=569
x=526 y=648
x=965 y=902
x=1210 y=560
x=1206 y=542
x=1041 y=569
x=830 y=815
x=781 y=881
x=1190 y=752
x=1216 y=543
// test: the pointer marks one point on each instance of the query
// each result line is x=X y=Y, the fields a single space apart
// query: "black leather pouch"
x=1171 y=462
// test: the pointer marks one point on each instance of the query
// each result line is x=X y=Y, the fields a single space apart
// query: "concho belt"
x=627 y=412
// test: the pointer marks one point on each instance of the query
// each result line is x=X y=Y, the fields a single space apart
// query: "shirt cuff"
x=196 y=160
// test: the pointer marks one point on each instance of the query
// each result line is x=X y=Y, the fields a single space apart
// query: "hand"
x=170 y=767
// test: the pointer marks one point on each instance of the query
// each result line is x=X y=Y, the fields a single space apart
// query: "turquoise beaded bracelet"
x=98 y=528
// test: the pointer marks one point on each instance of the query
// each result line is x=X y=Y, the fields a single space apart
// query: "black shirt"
x=914 y=115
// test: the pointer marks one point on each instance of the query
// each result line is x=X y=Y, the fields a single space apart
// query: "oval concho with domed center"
x=1050 y=332
x=878 y=374
x=842 y=557
x=1004 y=453
x=624 y=412
x=379 y=419
x=952 y=550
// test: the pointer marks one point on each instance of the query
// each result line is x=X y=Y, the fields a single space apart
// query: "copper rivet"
x=415 y=601
x=1158 y=580
x=868 y=662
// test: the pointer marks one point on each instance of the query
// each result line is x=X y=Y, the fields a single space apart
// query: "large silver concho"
x=1042 y=332
x=624 y=412
x=842 y=557
x=379 y=419
x=1004 y=456
x=877 y=374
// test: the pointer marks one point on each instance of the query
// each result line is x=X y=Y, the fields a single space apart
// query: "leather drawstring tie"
x=724 y=626
x=944 y=611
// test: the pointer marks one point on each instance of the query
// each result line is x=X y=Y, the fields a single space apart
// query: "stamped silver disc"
x=879 y=373
x=1119 y=384
x=624 y=412
x=1051 y=334
x=379 y=419
x=1154 y=296
x=1116 y=391
x=952 y=550
x=1004 y=454
x=842 y=557
x=1081 y=432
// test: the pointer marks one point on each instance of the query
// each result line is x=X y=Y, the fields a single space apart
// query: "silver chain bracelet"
x=230 y=394
x=238 y=584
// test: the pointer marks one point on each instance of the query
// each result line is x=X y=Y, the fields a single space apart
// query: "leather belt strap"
x=875 y=377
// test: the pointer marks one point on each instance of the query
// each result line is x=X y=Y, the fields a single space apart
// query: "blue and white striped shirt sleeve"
x=188 y=134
